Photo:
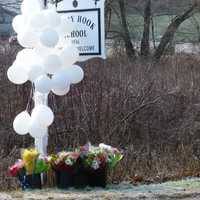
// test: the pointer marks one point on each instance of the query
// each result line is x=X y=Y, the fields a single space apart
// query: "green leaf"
x=41 y=166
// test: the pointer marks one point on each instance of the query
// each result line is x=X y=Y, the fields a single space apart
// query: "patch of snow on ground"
x=188 y=189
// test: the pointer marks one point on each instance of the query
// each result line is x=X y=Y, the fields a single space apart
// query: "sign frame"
x=99 y=28
x=83 y=7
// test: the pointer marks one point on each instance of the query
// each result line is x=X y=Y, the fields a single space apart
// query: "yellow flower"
x=30 y=156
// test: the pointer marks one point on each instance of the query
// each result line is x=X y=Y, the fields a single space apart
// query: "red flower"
x=15 y=169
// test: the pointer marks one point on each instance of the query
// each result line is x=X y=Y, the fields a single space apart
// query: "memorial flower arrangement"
x=86 y=166
x=113 y=155
x=31 y=163
x=97 y=161
x=65 y=165
x=93 y=157
x=96 y=157
x=63 y=160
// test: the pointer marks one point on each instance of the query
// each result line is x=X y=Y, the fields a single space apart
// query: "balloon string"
x=45 y=3
x=30 y=98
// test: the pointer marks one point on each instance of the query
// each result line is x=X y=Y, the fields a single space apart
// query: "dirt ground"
x=184 y=190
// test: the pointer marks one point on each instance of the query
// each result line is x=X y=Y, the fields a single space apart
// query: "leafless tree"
x=171 y=30
x=145 y=46
x=126 y=34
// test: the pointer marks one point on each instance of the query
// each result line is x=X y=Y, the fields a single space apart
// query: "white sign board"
x=87 y=17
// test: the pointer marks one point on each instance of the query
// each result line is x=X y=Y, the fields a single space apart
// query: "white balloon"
x=49 y=38
x=36 y=130
x=43 y=114
x=31 y=6
x=18 y=23
x=69 y=55
x=61 y=91
x=21 y=123
x=38 y=21
x=42 y=51
x=28 y=39
x=74 y=73
x=52 y=17
x=60 y=81
x=17 y=74
x=35 y=71
x=27 y=57
x=25 y=54
x=43 y=84
x=52 y=64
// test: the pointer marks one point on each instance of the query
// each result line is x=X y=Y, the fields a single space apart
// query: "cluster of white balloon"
x=47 y=60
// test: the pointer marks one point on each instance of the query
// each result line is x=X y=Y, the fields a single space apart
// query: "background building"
x=6 y=17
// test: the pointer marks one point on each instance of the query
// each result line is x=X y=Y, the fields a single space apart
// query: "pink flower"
x=75 y=155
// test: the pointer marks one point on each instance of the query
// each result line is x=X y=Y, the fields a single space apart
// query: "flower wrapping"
x=31 y=163
x=16 y=168
x=30 y=157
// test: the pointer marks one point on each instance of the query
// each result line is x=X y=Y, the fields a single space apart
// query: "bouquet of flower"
x=113 y=155
x=96 y=161
x=99 y=157
x=31 y=163
x=64 y=160
x=92 y=157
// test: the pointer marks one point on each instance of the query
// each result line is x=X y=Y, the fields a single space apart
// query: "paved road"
x=183 y=190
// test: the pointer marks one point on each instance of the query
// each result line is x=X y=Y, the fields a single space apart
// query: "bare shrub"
x=151 y=111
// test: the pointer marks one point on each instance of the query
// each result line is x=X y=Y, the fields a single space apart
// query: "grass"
x=187 y=188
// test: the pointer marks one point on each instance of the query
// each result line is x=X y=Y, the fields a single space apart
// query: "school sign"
x=88 y=34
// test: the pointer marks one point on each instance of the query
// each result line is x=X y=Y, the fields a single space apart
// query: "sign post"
x=87 y=34
x=41 y=143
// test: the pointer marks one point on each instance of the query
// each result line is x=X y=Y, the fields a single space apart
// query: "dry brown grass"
x=151 y=111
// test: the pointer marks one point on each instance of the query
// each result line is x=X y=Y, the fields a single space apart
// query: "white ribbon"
x=41 y=143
